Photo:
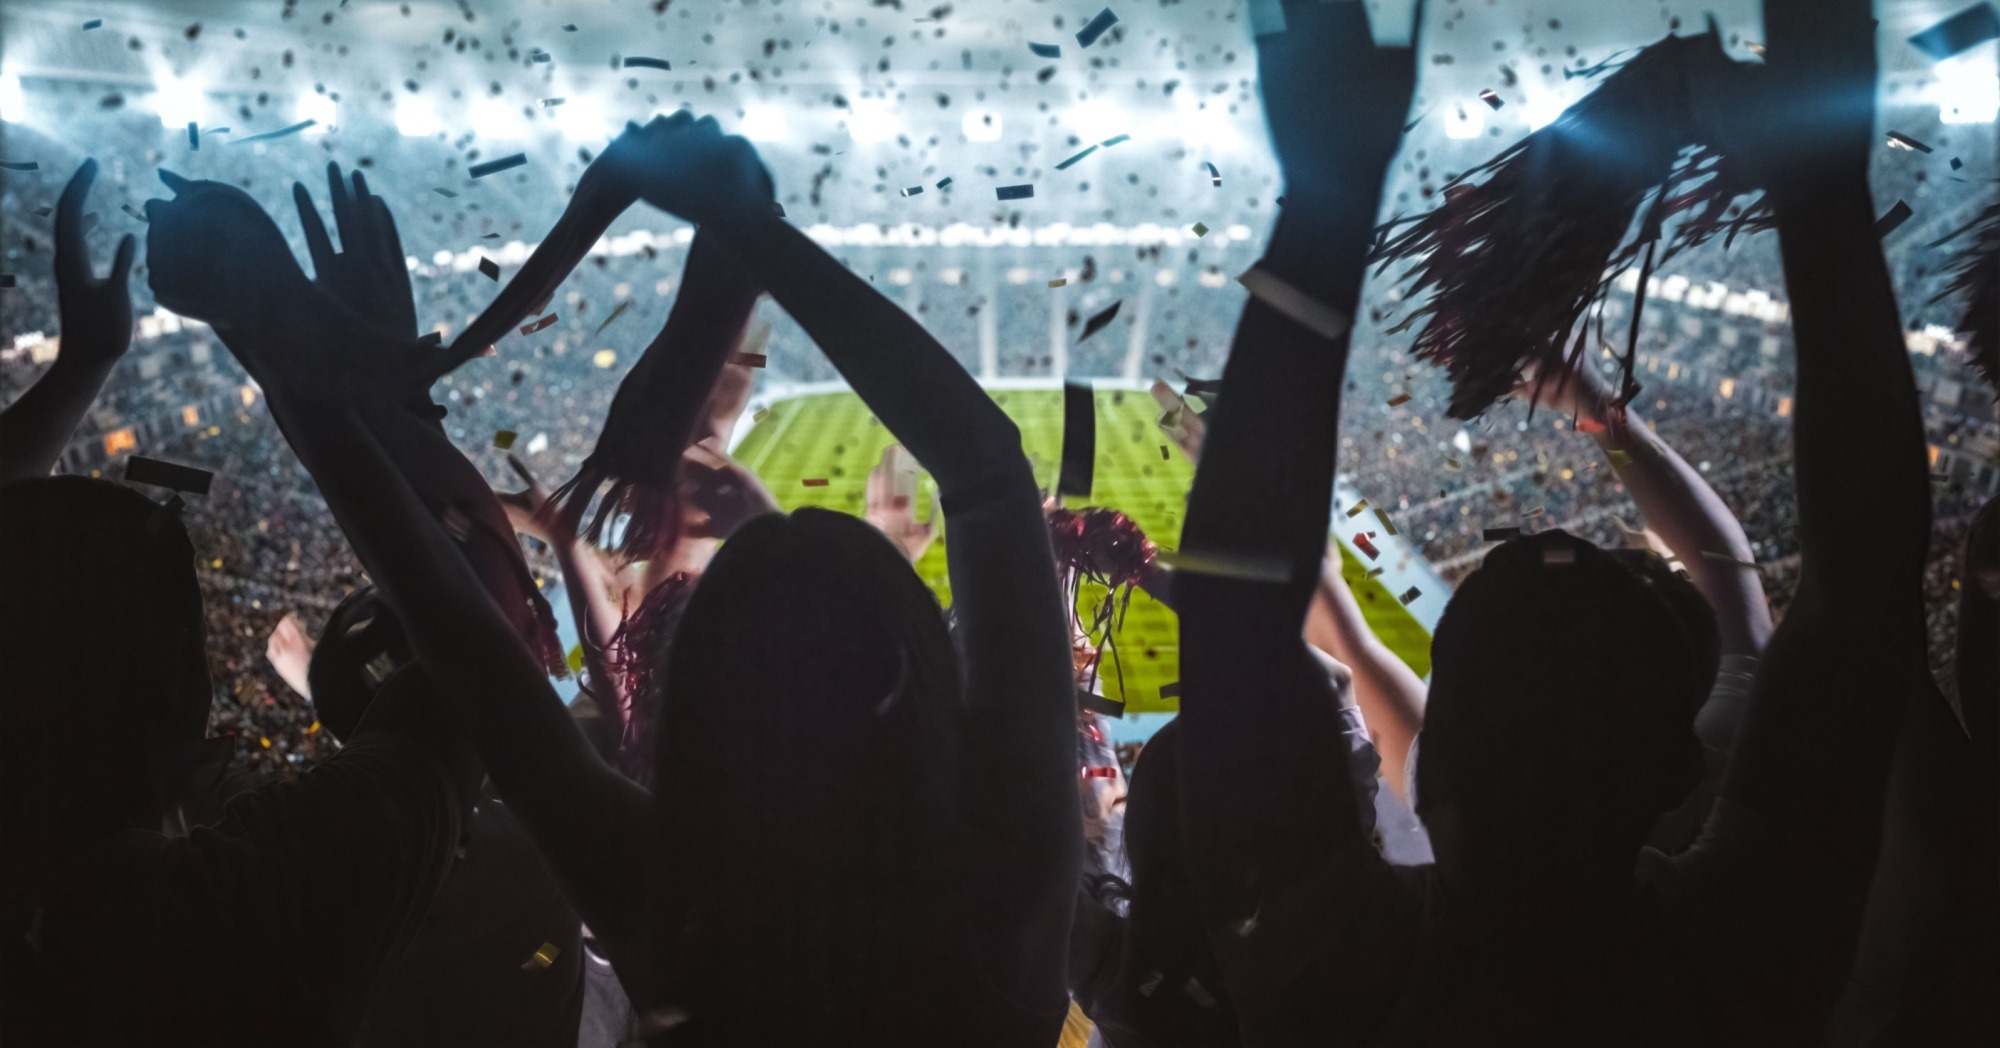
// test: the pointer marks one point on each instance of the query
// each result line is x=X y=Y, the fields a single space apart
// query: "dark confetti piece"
x=1170 y=691
x=1366 y=547
x=616 y=312
x=142 y=470
x=1957 y=164
x=1095 y=28
x=133 y=211
x=279 y=133
x=1961 y=32
x=1903 y=141
x=1894 y=220
x=92 y=24
x=1410 y=594
x=913 y=191
x=539 y=324
x=1079 y=441
x=504 y=439
x=1490 y=98
x=20 y=165
x=1045 y=50
x=194 y=135
x=1071 y=162
x=1214 y=176
x=505 y=163
x=448 y=194
x=1015 y=192
x=551 y=103
x=642 y=62
x=1099 y=321
x=490 y=268
x=943 y=182
x=489 y=236
x=1115 y=140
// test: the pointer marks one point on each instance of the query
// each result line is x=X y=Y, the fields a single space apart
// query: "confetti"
x=279 y=133
x=1095 y=28
x=1016 y=192
x=617 y=312
x=1100 y=773
x=504 y=439
x=642 y=62
x=1957 y=164
x=1170 y=691
x=539 y=55
x=92 y=24
x=448 y=194
x=913 y=191
x=1200 y=229
x=142 y=470
x=1214 y=176
x=815 y=482
x=1357 y=510
x=1487 y=96
x=1893 y=221
x=538 y=325
x=1961 y=32
x=1727 y=559
x=748 y=360
x=1114 y=140
x=1400 y=399
x=505 y=163
x=1067 y=164
x=1536 y=512
x=575 y=659
x=1619 y=459
x=1059 y=282
x=551 y=103
x=19 y=165
x=1099 y=321
x=1079 y=441
x=194 y=136
x=1301 y=308
x=133 y=211
x=1367 y=548
x=1899 y=140
x=1163 y=452
x=490 y=268
x=943 y=182
x=1045 y=50
x=1383 y=516
x=489 y=236
x=1409 y=595
x=1376 y=572
x=1501 y=534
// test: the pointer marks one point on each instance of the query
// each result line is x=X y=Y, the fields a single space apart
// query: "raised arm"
x=1810 y=756
x=96 y=318
x=321 y=367
x=1258 y=717
x=1390 y=694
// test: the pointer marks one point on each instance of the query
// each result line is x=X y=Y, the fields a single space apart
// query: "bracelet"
x=1302 y=309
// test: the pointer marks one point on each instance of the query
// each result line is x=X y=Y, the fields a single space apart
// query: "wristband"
x=1302 y=309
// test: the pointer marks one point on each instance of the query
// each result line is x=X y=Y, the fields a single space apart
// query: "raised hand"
x=1179 y=421
x=368 y=275
x=689 y=168
x=892 y=505
x=290 y=652
x=1336 y=117
x=524 y=508
x=96 y=313
x=720 y=494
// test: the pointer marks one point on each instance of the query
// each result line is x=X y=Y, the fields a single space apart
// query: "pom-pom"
x=1107 y=548
x=1975 y=281
x=637 y=656
x=1524 y=247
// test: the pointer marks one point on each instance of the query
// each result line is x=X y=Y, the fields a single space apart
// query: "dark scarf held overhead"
x=1974 y=271
x=1525 y=247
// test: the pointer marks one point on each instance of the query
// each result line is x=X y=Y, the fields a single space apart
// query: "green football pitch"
x=832 y=437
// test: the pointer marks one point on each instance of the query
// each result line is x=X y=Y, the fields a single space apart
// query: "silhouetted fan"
x=1525 y=247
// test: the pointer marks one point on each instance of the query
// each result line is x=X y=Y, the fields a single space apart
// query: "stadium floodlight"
x=416 y=117
x=872 y=120
x=322 y=110
x=492 y=118
x=13 y=102
x=763 y=122
x=1096 y=120
x=981 y=125
x=178 y=100
x=1198 y=124
x=582 y=119
x=1968 y=90
x=1464 y=122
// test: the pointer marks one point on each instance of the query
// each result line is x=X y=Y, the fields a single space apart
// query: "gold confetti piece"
x=543 y=957
x=1409 y=595
x=1170 y=691
x=1200 y=229
x=1452 y=464
x=313 y=728
x=265 y=741
x=1358 y=507
x=575 y=659
x=1376 y=573
x=1387 y=524
x=1725 y=558
x=1618 y=458
x=1059 y=282
x=1536 y=512
x=504 y=439
x=760 y=414
x=1400 y=399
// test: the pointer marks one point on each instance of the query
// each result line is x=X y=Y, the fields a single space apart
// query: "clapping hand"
x=368 y=275
x=96 y=313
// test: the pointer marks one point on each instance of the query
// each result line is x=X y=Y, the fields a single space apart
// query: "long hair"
x=806 y=784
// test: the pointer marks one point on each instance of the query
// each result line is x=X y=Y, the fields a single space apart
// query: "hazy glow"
x=180 y=101
x=763 y=122
x=13 y=103
x=324 y=111
x=1542 y=110
x=582 y=119
x=1465 y=121
x=495 y=119
x=981 y=125
x=1968 y=90
x=415 y=118
x=872 y=120
x=1095 y=121
x=1200 y=125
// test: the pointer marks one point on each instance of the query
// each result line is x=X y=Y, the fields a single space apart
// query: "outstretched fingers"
x=318 y=244
x=72 y=261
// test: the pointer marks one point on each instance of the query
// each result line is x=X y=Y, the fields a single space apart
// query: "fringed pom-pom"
x=639 y=519
x=637 y=655
x=1105 y=547
x=1975 y=282
x=1525 y=246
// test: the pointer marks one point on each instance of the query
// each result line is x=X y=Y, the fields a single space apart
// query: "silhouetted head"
x=1564 y=686
x=101 y=632
x=362 y=646
x=806 y=782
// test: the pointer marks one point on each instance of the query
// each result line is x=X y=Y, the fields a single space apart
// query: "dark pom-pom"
x=1974 y=270
x=1525 y=246
x=648 y=509
x=1105 y=547
x=637 y=655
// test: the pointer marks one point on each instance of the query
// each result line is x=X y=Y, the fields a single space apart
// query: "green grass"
x=832 y=436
